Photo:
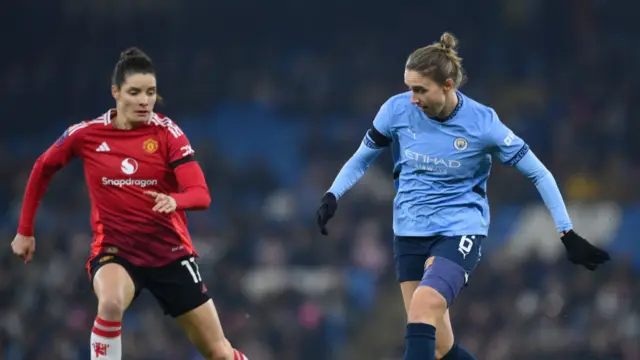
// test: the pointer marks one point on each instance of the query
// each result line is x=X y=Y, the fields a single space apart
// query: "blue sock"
x=457 y=352
x=420 y=342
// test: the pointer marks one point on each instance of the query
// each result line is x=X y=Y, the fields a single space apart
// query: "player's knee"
x=114 y=289
x=218 y=350
x=427 y=306
x=111 y=307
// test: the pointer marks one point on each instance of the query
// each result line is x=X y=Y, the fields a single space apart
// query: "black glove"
x=328 y=207
x=581 y=252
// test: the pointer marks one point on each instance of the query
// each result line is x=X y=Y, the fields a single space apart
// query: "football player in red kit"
x=142 y=177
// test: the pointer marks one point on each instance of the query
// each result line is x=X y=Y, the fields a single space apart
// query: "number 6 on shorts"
x=465 y=245
x=195 y=274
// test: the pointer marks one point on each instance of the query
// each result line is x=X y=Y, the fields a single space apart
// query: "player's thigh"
x=178 y=287
x=408 y=288
x=182 y=294
x=202 y=326
x=113 y=284
x=410 y=254
x=451 y=262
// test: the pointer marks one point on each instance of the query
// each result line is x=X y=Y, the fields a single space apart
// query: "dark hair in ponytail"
x=132 y=61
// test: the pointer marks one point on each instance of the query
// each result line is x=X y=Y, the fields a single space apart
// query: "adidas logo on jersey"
x=103 y=147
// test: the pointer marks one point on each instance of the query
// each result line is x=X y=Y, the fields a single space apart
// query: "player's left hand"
x=581 y=252
x=165 y=204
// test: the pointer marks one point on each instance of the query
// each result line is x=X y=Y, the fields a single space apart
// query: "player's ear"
x=448 y=85
x=115 y=92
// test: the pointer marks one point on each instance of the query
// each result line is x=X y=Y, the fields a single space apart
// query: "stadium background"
x=275 y=97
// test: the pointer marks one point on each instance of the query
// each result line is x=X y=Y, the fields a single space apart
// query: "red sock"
x=237 y=355
x=105 y=340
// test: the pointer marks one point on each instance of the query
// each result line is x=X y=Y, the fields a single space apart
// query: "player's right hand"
x=328 y=207
x=24 y=247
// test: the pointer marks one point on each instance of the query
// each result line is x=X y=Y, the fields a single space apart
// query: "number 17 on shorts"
x=191 y=265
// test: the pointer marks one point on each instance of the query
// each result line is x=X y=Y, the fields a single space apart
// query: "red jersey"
x=120 y=165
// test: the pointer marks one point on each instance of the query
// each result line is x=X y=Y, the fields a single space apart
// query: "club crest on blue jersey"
x=62 y=138
x=460 y=144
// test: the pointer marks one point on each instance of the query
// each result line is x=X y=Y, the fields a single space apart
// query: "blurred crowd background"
x=275 y=96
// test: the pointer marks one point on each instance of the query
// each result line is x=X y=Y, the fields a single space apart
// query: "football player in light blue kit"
x=443 y=143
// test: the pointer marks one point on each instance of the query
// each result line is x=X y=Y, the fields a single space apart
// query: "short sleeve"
x=180 y=149
x=384 y=118
x=503 y=143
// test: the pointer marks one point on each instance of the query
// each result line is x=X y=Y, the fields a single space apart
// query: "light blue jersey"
x=442 y=167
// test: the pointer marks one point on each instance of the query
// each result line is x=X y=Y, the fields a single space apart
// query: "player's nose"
x=143 y=101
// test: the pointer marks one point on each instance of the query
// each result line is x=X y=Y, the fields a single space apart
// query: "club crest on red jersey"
x=150 y=146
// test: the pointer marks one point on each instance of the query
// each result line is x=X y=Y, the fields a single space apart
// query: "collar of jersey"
x=453 y=113
x=109 y=114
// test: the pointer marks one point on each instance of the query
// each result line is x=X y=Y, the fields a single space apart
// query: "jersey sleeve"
x=194 y=193
x=180 y=150
x=383 y=121
x=53 y=159
x=503 y=143
x=375 y=140
x=65 y=149
x=535 y=170
x=356 y=166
